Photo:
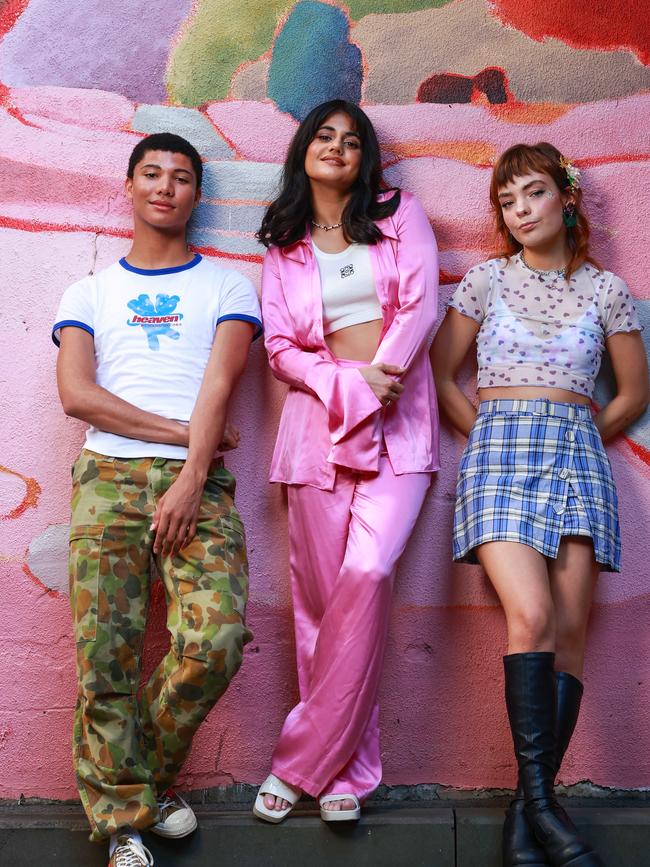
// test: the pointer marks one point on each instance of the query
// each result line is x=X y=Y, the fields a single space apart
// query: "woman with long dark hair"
x=349 y=294
x=536 y=504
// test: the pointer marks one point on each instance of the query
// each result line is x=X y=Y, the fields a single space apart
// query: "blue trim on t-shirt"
x=66 y=322
x=244 y=317
x=157 y=272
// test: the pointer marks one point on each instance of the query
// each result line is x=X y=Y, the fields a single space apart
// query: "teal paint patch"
x=313 y=60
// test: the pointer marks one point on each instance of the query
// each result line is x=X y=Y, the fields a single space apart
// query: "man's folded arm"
x=82 y=398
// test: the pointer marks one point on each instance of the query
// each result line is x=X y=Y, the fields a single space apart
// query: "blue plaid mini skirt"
x=532 y=472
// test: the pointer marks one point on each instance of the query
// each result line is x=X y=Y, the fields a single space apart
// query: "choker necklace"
x=558 y=272
x=326 y=228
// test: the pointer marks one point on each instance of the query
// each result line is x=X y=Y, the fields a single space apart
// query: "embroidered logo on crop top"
x=156 y=319
x=347 y=270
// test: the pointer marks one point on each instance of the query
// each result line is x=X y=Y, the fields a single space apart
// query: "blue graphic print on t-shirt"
x=157 y=320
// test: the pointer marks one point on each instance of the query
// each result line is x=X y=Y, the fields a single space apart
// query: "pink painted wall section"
x=476 y=78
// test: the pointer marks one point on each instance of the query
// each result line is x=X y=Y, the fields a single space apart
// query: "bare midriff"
x=525 y=392
x=356 y=342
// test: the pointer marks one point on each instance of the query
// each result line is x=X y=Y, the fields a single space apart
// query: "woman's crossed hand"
x=380 y=378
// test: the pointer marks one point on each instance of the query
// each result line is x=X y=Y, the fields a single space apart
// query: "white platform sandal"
x=274 y=786
x=339 y=815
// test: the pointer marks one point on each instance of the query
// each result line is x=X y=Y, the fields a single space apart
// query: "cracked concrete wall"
x=72 y=105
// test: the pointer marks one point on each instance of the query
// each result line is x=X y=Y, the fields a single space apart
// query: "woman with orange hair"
x=536 y=504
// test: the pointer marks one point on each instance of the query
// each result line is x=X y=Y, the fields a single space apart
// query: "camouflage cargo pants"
x=128 y=748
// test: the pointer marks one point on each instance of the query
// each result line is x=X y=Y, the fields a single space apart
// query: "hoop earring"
x=569 y=215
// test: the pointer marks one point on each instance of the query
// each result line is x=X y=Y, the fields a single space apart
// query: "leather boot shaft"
x=531 y=697
x=530 y=700
x=568 y=697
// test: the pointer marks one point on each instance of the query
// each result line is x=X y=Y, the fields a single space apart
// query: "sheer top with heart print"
x=537 y=329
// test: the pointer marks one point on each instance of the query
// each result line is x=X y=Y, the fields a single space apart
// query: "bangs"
x=523 y=160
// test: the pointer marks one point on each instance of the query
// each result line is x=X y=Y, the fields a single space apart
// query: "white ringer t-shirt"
x=153 y=331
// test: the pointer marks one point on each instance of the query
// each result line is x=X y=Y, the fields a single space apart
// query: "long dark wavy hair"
x=543 y=157
x=285 y=218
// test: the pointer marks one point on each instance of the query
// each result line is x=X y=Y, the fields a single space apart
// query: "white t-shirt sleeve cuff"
x=64 y=323
x=244 y=317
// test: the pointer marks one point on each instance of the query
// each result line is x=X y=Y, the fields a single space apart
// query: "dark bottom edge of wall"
x=441 y=834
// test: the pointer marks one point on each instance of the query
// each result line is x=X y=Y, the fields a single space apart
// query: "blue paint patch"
x=639 y=431
x=241 y=179
x=222 y=242
x=314 y=60
x=229 y=218
x=187 y=122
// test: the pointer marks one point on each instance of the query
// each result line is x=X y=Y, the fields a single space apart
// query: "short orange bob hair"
x=522 y=159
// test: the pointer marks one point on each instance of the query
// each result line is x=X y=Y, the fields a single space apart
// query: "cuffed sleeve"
x=76 y=309
x=239 y=301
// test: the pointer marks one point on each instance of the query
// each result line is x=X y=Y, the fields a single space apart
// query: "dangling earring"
x=569 y=215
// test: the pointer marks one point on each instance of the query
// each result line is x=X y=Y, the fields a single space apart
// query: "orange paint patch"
x=590 y=162
x=29 y=501
x=476 y=153
x=534 y=113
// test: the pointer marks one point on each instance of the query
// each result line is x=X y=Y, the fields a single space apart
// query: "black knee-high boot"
x=531 y=703
x=568 y=696
x=519 y=846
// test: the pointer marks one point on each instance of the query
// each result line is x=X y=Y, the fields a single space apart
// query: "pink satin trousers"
x=344 y=546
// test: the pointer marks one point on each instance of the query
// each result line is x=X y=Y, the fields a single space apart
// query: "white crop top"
x=537 y=329
x=348 y=287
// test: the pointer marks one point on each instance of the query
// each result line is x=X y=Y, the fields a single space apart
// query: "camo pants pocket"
x=84 y=562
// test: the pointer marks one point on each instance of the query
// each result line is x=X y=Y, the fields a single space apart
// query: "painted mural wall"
x=449 y=84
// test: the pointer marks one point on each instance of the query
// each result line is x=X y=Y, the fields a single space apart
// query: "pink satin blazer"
x=331 y=416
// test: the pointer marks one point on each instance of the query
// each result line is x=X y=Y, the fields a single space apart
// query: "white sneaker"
x=177 y=818
x=130 y=852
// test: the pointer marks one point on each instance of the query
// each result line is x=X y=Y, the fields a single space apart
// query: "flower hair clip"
x=572 y=173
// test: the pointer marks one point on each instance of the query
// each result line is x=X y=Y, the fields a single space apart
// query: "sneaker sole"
x=176 y=833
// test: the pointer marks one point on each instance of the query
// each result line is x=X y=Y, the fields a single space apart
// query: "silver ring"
x=388 y=402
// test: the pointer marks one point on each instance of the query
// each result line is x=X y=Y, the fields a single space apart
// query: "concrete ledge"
x=384 y=837
x=621 y=835
x=449 y=835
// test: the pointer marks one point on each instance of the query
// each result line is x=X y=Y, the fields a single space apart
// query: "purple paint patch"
x=72 y=40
